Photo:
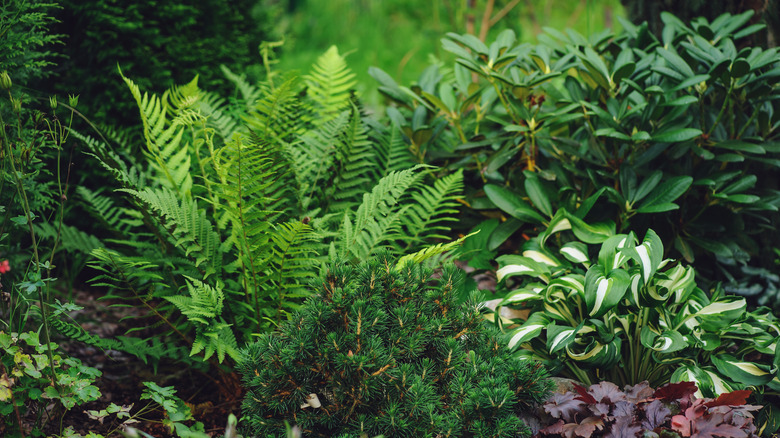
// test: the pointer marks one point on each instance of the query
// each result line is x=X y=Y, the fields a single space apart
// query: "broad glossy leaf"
x=676 y=62
x=603 y=292
x=739 y=68
x=666 y=193
x=721 y=314
x=531 y=329
x=503 y=232
x=741 y=371
x=537 y=193
x=677 y=135
x=512 y=204
x=590 y=233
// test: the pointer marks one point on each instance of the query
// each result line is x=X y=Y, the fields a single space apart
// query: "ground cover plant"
x=671 y=411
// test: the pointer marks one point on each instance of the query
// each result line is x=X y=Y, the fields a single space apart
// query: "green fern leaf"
x=167 y=155
x=329 y=85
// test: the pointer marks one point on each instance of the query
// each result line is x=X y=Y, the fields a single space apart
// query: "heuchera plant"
x=603 y=410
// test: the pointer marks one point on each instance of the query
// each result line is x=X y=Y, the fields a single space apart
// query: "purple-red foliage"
x=603 y=410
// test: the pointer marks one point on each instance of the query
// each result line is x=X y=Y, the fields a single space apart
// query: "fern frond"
x=290 y=265
x=126 y=176
x=431 y=252
x=375 y=216
x=71 y=238
x=217 y=338
x=329 y=85
x=109 y=216
x=167 y=155
x=189 y=226
x=355 y=165
x=277 y=116
x=249 y=93
x=392 y=151
x=432 y=208
x=203 y=304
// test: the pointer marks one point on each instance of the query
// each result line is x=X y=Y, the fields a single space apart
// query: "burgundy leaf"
x=712 y=426
x=640 y=391
x=623 y=428
x=553 y=429
x=734 y=398
x=657 y=414
x=589 y=425
x=623 y=409
x=606 y=392
x=675 y=391
x=564 y=406
x=584 y=396
x=682 y=425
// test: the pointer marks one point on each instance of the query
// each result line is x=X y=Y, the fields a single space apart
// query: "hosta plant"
x=385 y=348
x=629 y=315
x=603 y=410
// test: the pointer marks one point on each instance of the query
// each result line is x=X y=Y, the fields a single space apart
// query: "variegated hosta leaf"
x=540 y=256
x=512 y=265
x=559 y=222
x=679 y=280
x=529 y=293
x=611 y=254
x=531 y=329
x=558 y=337
x=604 y=291
x=710 y=383
x=707 y=341
x=742 y=371
x=721 y=313
x=576 y=252
x=588 y=350
x=667 y=341
x=648 y=255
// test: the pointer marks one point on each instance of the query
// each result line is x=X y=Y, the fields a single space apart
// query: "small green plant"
x=31 y=379
x=386 y=348
x=628 y=315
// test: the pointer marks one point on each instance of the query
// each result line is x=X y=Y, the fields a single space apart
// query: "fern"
x=168 y=157
x=71 y=238
x=149 y=351
x=277 y=117
x=203 y=304
x=330 y=85
x=356 y=164
x=188 y=226
x=431 y=208
x=375 y=221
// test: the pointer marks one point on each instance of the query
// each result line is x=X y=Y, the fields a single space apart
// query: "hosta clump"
x=603 y=410
x=628 y=315
x=386 y=349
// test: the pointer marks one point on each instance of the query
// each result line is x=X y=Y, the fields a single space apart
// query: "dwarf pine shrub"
x=381 y=348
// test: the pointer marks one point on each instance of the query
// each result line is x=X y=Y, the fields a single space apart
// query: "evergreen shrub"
x=387 y=348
